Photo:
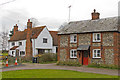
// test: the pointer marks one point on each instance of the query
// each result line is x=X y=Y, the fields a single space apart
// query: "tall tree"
x=4 y=41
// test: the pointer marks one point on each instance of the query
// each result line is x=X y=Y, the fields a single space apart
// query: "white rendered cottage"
x=33 y=41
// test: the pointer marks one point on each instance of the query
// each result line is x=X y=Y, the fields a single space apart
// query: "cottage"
x=32 y=41
x=90 y=41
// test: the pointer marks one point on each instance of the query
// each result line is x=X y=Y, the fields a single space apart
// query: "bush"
x=69 y=63
x=47 y=57
x=103 y=66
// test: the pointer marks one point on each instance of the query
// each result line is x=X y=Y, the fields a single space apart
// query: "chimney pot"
x=15 y=29
x=28 y=20
x=95 y=15
x=29 y=24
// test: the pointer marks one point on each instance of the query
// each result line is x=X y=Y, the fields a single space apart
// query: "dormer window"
x=73 y=38
x=96 y=37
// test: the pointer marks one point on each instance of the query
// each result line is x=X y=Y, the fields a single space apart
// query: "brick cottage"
x=90 y=41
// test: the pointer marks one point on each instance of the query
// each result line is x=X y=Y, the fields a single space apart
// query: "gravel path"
x=54 y=66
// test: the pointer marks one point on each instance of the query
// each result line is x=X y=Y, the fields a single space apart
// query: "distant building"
x=32 y=41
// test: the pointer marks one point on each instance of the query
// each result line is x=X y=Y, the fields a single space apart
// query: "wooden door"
x=85 y=58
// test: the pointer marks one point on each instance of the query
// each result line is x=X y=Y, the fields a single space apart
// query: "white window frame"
x=46 y=40
x=95 y=37
x=73 y=53
x=72 y=38
x=96 y=53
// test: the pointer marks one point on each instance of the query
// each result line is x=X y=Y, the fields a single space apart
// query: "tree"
x=11 y=33
x=4 y=41
x=62 y=26
x=35 y=22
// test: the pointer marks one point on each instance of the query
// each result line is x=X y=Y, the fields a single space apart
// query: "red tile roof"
x=13 y=48
x=55 y=37
x=21 y=35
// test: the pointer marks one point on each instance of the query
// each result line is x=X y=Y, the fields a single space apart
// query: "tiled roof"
x=99 y=25
x=21 y=35
x=13 y=48
x=55 y=37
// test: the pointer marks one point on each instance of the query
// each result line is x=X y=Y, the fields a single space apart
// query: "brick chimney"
x=15 y=29
x=95 y=15
x=29 y=41
x=29 y=24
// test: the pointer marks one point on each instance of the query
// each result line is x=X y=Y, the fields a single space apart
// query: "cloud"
x=10 y=17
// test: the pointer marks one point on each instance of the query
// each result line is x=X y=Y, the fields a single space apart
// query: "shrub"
x=68 y=63
x=47 y=57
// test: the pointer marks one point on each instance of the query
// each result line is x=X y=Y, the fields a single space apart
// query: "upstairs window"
x=44 y=40
x=96 y=37
x=73 y=38
x=96 y=53
x=20 y=43
x=13 y=43
x=73 y=53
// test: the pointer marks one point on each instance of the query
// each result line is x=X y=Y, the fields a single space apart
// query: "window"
x=44 y=40
x=96 y=37
x=73 y=38
x=12 y=53
x=20 y=43
x=13 y=43
x=73 y=53
x=96 y=53
x=22 y=53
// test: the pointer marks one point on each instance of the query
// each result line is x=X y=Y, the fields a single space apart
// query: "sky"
x=52 y=13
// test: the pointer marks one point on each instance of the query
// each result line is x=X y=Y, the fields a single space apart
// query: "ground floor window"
x=96 y=53
x=73 y=53
x=22 y=53
x=42 y=51
x=13 y=53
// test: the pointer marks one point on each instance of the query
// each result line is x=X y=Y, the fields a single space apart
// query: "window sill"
x=73 y=42
x=73 y=58
x=96 y=58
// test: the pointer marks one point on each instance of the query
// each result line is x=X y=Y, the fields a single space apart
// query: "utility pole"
x=69 y=13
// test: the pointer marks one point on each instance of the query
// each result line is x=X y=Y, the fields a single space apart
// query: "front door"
x=85 y=58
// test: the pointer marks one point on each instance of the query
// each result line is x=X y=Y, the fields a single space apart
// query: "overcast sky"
x=52 y=13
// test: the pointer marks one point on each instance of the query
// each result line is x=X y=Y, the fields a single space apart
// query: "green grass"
x=49 y=73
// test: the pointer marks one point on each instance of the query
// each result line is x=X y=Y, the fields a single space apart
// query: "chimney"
x=29 y=41
x=95 y=15
x=29 y=24
x=15 y=29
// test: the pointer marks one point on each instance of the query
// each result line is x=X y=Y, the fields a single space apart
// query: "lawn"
x=49 y=73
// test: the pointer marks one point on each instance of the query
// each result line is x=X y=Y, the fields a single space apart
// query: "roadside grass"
x=50 y=73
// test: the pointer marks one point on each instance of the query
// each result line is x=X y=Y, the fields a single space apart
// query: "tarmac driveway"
x=54 y=66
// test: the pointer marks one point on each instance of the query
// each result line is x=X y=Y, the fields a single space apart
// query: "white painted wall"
x=54 y=49
x=39 y=41
x=21 y=47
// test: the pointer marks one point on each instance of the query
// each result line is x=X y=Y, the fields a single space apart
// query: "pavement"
x=54 y=66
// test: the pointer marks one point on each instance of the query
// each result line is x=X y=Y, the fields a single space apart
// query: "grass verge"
x=49 y=73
